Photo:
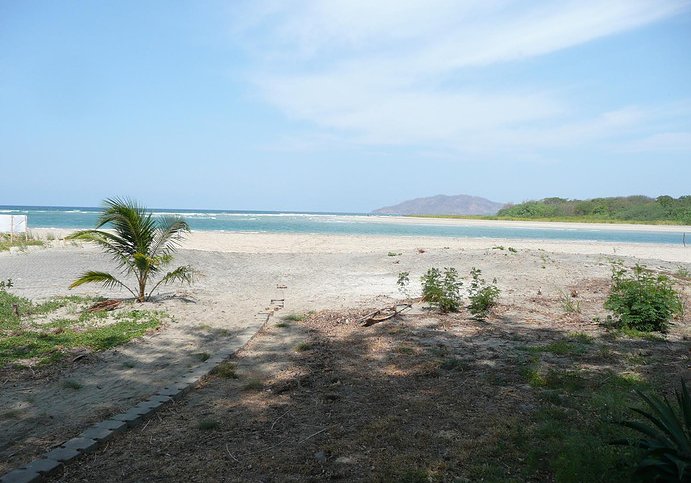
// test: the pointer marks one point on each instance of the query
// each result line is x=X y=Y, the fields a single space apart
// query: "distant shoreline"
x=574 y=220
x=473 y=220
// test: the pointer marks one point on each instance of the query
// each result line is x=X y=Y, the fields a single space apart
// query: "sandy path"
x=239 y=276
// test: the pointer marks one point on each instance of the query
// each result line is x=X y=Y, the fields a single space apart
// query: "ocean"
x=339 y=223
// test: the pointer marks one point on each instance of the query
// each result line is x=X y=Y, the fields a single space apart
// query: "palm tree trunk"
x=142 y=287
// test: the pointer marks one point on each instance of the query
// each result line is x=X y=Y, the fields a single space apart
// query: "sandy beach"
x=239 y=274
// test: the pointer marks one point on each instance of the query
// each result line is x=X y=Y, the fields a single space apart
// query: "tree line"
x=665 y=209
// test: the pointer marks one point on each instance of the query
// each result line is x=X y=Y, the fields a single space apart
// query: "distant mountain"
x=443 y=205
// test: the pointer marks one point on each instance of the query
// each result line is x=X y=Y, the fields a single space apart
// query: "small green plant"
x=482 y=296
x=202 y=356
x=442 y=291
x=569 y=304
x=512 y=250
x=405 y=349
x=226 y=370
x=282 y=325
x=453 y=364
x=403 y=283
x=253 y=384
x=295 y=317
x=682 y=272
x=394 y=254
x=641 y=300
x=303 y=346
x=72 y=384
x=6 y=284
x=207 y=424
x=667 y=442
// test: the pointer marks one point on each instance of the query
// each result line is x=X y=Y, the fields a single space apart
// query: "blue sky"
x=342 y=105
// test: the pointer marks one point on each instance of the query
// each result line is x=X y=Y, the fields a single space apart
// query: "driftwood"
x=383 y=314
x=104 y=305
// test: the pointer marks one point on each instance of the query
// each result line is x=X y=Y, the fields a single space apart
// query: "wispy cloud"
x=397 y=72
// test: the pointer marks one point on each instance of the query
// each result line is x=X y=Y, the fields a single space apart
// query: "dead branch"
x=383 y=314
x=104 y=305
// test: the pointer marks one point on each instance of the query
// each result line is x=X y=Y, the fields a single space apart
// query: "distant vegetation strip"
x=663 y=210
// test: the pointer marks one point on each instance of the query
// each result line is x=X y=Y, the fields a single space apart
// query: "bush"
x=403 y=282
x=482 y=296
x=642 y=300
x=442 y=291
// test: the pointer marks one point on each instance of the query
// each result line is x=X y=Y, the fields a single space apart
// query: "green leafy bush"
x=641 y=300
x=482 y=296
x=442 y=290
x=667 y=443
x=403 y=282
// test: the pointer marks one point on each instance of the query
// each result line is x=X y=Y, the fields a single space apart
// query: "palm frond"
x=111 y=243
x=169 y=235
x=105 y=279
x=131 y=221
x=183 y=274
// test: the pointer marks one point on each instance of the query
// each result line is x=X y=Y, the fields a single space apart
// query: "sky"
x=342 y=105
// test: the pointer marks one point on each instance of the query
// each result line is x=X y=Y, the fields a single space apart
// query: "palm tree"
x=139 y=244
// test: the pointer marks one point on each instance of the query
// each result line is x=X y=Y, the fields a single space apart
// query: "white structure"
x=13 y=224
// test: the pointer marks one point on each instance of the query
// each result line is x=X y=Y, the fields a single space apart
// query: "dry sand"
x=240 y=273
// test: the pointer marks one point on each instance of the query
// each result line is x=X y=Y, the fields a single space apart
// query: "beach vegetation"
x=207 y=424
x=72 y=384
x=483 y=296
x=140 y=245
x=227 y=370
x=666 y=441
x=253 y=384
x=202 y=356
x=682 y=272
x=303 y=346
x=19 y=240
x=642 y=300
x=42 y=333
x=569 y=304
x=295 y=317
x=403 y=283
x=643 y=209
x=442 y=289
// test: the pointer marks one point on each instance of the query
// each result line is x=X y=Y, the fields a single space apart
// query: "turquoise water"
x=336 y=223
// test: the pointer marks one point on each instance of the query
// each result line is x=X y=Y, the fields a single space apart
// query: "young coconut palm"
x=140 y=245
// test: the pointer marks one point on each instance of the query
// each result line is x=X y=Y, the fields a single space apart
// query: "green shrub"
x=482 y=296
x=295 y=317
x=667 y=443
x=442 y=291
x=403 y=282
x=642 y=300
x=569 y=304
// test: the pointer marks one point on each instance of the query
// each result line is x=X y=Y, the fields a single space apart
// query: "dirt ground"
x=424 y=397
